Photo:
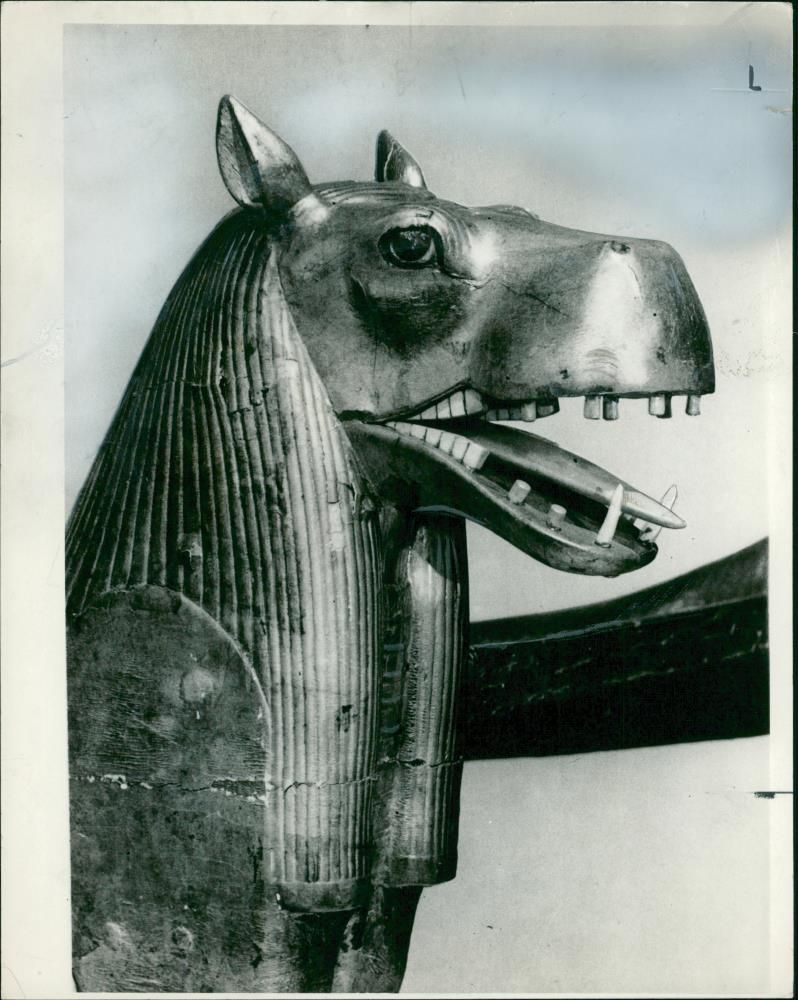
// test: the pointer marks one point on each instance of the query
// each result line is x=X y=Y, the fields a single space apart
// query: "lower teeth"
x=519 y=491
x=556 y=516
x=473 y=456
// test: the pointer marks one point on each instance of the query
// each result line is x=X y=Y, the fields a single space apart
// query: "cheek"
x=409 y=309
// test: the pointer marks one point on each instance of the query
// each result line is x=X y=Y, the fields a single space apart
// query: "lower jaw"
x=411 y=474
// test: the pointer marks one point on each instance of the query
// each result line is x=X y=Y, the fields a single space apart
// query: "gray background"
x=607 y=872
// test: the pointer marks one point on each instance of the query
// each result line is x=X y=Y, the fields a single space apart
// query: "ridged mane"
x=226 y=476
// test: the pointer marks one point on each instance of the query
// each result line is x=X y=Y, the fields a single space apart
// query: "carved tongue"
x=561 y=517
x=538 y=457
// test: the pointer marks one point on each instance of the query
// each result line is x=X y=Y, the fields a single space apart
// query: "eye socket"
x=415 y=246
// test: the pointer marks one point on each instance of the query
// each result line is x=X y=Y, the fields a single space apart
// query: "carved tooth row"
x=659 y=405
x=468 y=401
x=459 y=404
x=597 y=407
x=470 y=454
x=527 y=413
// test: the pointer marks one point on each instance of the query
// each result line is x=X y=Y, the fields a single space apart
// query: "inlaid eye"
x=415 y=246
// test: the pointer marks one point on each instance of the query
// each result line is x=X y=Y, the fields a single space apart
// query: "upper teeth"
x=468 y=402
x=459 y=404
x=659 y=405
x=528 y=412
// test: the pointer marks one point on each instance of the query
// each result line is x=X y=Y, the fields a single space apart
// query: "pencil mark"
x=48 y=341
x=738 y=15
x=459 y=77
x=10 y=971
x=752 y=87
x=19 y=357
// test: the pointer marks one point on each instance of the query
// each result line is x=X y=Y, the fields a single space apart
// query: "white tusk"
x=606 y=532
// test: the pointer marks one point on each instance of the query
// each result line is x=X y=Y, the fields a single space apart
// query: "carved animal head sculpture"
x=266 y=569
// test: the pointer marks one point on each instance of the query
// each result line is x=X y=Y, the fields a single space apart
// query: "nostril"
x=619 y=247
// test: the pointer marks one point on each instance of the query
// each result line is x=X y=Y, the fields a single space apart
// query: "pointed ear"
x=258 y=168
x=394 y=163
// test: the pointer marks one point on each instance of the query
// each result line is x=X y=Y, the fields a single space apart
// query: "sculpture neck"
x=417 y=804
x=227 y=478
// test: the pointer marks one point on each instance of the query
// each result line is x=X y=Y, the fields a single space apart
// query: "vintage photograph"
x=426 y=371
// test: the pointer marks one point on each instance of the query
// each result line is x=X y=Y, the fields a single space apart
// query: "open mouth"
x=456 y=456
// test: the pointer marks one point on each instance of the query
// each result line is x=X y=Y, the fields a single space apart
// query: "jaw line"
x=412 y=474
x=463 y=399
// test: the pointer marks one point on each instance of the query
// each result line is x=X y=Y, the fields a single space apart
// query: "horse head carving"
x=266 y=569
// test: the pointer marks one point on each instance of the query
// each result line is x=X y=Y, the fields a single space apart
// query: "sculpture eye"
x=415 y=246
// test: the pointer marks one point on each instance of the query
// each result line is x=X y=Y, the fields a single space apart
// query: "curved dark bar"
x=684 y=661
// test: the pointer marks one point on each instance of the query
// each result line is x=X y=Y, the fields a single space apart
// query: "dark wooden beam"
x=683 y=661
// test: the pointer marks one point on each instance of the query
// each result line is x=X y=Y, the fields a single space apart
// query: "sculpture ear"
x=258 y=168
x=394 y=163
